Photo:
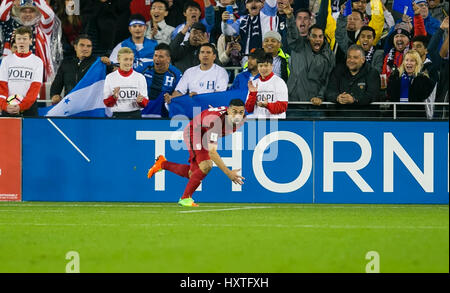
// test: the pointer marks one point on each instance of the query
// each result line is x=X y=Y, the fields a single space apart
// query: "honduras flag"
x=403 y=5
x=85 y=99
x=348 y=8
x=186 y=106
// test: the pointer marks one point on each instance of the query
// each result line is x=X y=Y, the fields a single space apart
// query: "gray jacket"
x=309 y=71
x=437 y=12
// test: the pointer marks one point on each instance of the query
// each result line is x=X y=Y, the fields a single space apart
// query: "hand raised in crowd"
x=232 y=46
x=226 y=16
x=116 y=92
x=187 y=26
x=13 y=109
x=406 y=18
x=287 y=9
x=251 y=87
x=416 y=8
x=444 y=24
x=154 y=28
x=56 y=99
x=316 y=101
x=341 y=11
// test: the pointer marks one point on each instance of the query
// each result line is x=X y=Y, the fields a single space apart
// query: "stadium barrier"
x=10 y=159
x=378 y=162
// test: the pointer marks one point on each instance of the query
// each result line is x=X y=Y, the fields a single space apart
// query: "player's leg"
x=200 y=167
x=196 y=178
x=162 y=164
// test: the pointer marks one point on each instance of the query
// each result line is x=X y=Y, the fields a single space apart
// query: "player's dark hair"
x=191 y=3
x=236 y=102
x=314 y=26
x=163 y=2
x=265 y=58
x=136 y=16
x=367 y=28
x=423 y=39
x=210 y=46
x=164 y=47
x=24 y=30
x=82 y=37
x=303 y=10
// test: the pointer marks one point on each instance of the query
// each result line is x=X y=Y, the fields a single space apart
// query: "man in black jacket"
x=185 y=54
x=72 y=70
x=354 y=86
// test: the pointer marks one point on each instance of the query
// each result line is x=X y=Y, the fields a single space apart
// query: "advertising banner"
x=282 y=161
x=10 y=159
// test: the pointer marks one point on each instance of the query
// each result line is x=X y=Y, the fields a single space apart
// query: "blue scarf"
x=145 y=53
x=405 y=83
x=250 y=27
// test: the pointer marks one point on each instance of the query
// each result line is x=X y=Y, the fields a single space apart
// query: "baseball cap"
x=255 y=52
x=421 y=1
x=272 y=34
x=136 y=19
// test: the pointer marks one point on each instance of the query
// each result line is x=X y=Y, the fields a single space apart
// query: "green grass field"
x=233 y=238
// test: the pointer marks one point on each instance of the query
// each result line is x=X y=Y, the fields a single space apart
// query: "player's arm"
x=232 y=174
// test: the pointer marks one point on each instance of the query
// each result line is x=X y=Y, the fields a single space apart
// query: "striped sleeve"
x=47 y=16
x=5 y=9
x=4 y=90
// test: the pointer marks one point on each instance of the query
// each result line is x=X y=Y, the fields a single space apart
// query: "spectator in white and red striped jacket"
x=40 y=17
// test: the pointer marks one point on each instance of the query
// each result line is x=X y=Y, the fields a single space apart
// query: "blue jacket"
x=431 y=24
x=156 y=88
x=241 y=81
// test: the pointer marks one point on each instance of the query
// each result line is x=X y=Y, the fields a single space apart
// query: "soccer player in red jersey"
x=201 y=136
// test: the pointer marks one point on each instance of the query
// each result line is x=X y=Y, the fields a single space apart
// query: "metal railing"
x=441 y=110
x=384 y=110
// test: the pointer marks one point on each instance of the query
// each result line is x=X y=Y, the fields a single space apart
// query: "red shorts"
x=195 y=156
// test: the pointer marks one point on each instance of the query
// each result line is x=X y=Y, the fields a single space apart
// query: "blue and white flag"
x=403 y=7
x=184 y=105
x=348 y=8
x=85 y=99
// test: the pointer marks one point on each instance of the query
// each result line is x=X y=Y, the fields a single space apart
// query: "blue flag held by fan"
x=404 y=7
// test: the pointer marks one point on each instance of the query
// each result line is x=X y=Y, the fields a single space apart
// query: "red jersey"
x=207 y=127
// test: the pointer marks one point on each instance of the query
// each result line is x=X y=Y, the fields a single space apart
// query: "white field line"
x=219 y=210
x=174 y=205
x=118 y=205
x=144 y=211
x=68 y=139
x=237 y=225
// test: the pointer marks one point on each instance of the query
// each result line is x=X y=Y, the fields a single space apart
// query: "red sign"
x=10 y=159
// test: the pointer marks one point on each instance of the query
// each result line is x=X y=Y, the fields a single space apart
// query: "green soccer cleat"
x=187 y=202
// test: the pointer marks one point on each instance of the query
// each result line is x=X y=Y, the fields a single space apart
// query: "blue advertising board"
x=282 y=161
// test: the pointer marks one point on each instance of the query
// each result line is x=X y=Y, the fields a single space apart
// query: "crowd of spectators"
x=349 y=53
